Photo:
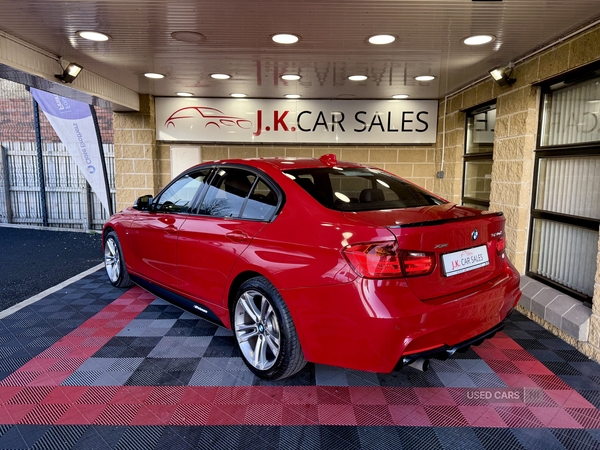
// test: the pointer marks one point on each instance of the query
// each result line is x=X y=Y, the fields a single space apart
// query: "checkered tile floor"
x=91 y=366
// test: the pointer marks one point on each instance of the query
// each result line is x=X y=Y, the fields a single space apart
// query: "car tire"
x=114 y=261
x=264 y=331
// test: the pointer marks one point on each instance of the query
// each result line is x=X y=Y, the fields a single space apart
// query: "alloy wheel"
x=257 y=330
x=112 y=260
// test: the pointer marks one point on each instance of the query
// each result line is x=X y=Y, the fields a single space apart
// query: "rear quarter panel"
x=302 y=246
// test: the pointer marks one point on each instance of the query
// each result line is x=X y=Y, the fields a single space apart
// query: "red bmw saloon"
x=318 y=260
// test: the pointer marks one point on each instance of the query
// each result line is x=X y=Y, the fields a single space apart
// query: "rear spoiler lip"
x=442 y=221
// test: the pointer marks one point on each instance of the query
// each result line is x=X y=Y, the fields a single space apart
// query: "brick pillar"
x=515 y=139
x=450 y=187
x=136 y=162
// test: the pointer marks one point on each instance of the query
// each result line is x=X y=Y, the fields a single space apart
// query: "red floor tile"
x=434 y=396
x=367 y=395
x=336 y=414
x=263 y=414
x=409 y=415
x=190 y=414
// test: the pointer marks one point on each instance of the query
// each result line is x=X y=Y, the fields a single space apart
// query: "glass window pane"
x=179 y=195
x=478 y=179
x=261 y=204
x=565 y=254
x=227 y=193
x=570 y=186
x=480 y=132
x=572 y=115
x=475 y=206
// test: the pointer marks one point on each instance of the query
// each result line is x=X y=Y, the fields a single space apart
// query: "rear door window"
x=235 y=192
x=227 y=193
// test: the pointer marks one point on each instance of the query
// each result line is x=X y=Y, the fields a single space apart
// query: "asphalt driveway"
x=32 y=260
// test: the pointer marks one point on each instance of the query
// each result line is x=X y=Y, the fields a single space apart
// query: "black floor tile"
x=498 y=439
x=576 y=439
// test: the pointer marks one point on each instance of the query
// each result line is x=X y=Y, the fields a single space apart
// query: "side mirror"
x=143 y=203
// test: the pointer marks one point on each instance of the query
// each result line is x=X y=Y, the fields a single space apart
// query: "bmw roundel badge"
x=475 y=234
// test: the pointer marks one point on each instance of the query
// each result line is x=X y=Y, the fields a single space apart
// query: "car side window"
x=261 y=204
x=178 y=197
x=227 y=193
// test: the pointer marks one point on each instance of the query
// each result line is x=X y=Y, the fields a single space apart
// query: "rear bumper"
x=446 y=351
x=376 y=325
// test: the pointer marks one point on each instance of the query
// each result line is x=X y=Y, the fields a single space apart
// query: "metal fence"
x=64 y=200
x=70 y=202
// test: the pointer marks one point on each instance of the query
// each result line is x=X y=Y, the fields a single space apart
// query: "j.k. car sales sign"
x=297 y=121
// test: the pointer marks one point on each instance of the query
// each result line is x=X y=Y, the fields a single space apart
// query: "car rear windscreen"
x=360 y=189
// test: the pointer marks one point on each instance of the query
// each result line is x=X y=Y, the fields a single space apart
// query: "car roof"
x=289 y=163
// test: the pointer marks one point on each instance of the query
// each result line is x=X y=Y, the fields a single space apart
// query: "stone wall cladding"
x=136 y=163
x=416 y=164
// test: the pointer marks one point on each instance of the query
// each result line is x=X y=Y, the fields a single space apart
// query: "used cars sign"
x=298 y=121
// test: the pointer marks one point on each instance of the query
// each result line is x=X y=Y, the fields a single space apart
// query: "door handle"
x=171 y=230
x=237 y=236
x=169 y=223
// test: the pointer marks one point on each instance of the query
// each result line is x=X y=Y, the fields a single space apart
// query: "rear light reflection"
x=500 y=243
x=384 y=260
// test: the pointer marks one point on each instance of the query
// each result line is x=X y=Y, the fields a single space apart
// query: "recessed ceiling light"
x=400 y=96
x=284 y=38
x=93 y=36
x=188 y=36
x=238 y=95
x=357 y=77
x=290 y=77
x=381 y=39
x=185 y=94
x=425 y=78
x=154 y=75
x=220 y=76
x=292 y=96
x=478 y=40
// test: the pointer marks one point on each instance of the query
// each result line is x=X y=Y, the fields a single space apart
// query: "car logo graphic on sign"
x=203 y=115
x=475 y=234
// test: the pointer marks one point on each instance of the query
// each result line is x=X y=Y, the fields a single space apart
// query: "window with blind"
x=566 y=202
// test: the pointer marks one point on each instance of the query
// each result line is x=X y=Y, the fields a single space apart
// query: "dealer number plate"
x=465 y=260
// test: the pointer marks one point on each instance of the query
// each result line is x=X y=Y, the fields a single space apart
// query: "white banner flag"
x=73 y=123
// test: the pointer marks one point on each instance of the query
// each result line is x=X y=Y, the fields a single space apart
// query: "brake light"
x=374 y=260
x=384 y=260
x=417 y=263
x=500 y=244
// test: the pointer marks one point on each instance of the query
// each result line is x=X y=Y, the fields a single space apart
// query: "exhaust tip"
x=420 y=364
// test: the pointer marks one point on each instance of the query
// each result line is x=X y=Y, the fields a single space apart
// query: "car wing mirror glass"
x=143 y=203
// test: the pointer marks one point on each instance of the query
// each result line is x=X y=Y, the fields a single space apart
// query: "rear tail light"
x=384 y=260
x=417 y=263
x=374 y=260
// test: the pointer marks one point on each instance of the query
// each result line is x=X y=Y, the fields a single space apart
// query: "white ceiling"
x=332 y=46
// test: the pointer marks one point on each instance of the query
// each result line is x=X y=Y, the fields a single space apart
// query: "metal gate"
x=65 y=199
